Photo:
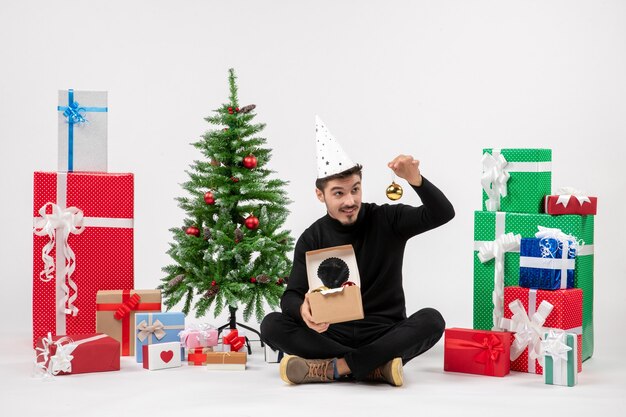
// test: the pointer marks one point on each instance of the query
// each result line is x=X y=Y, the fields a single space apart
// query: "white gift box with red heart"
x=161 y=356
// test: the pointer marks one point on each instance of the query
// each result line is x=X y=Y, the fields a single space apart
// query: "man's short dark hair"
x=320 y=183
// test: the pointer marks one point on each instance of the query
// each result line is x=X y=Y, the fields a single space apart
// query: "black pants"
x=364 y=344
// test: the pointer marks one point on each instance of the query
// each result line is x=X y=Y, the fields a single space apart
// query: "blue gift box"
x=544 y=266
x=152 y=328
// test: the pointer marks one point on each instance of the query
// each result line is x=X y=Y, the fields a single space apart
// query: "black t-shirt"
x=379 y=237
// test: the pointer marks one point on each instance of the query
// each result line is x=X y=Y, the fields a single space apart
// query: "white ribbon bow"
x=567 y=243
x=566 y=193
x=496 y=249
x=66 y=221
x=528 y=331
x=61 y=361
x=494 y=179
x=554 y=345
x=156 y=328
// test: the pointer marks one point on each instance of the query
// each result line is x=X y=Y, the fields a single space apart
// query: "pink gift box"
x=202 y=336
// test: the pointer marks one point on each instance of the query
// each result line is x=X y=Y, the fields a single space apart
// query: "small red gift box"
x=82 y=243
x=478 y=352
x=570 y=204
x=565 y=314
x=77 y=354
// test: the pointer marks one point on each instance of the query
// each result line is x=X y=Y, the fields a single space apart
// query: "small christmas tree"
x=230 y=252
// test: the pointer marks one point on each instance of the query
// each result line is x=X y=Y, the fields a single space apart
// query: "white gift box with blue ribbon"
x=82 y=127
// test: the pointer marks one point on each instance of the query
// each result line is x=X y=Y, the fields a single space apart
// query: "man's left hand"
x=404 y=166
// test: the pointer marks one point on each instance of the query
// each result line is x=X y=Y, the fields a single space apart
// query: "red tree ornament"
x=234 y=179
x=252 y=222
x=253 y=280
x=250 y=161
x=280 y=281
x=193 y=231
x=209 y=198
x=213 y=283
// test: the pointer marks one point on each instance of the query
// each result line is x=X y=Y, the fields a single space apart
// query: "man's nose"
x=349 y=200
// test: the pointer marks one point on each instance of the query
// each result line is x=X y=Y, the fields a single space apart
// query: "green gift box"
x=516 y=180
x=490 y=225
x=559 y=356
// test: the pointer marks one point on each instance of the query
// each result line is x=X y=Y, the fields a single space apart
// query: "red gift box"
x=82 y=243
x=77 y=354
x=566 y=314
x=478 y=352
x=570 y=204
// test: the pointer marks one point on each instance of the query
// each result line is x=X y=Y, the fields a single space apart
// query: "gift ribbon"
x=527 y=327
x=495 y=250
x=69 y=219
x=233 y=339
x=197 y=356
x=61 y=361
x=65 y=221
x=495 y=175
x=554 y=345
x=490 y=347
x=126 y=297
x=74 y=114
x=494 y=178
x=156 y=328
x=566 y=193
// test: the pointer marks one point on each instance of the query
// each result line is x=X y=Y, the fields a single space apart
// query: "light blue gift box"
x=153 y=328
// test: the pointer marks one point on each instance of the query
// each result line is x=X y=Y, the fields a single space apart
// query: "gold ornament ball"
x=394 y=191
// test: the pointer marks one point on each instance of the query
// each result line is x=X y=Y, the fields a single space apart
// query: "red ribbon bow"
x=235 y=341
x=126 y=307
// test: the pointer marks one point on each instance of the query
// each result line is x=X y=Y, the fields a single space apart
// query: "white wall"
x=439 y=80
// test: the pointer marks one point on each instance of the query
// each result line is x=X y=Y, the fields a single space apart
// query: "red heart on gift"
x=167 y=356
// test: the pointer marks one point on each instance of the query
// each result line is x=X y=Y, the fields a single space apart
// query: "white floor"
x=258 y=391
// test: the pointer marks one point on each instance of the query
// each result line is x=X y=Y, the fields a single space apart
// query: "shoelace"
x=318 y=370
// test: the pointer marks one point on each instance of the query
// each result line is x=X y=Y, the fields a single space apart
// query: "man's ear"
x=320 y=194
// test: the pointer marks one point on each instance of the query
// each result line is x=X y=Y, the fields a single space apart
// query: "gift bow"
x=566 y=193
x=61 y=361
x=74 y=113
x=567 y=243
x=554 y=345
x=494 y=179
x=496 y=249
x=528 y=331
x=66 y=221
x=126 y=307
x=156 y=328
